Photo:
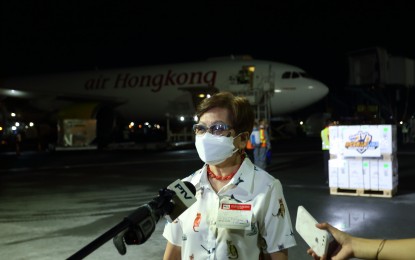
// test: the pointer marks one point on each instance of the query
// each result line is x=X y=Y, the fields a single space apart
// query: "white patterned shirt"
x=270 y=230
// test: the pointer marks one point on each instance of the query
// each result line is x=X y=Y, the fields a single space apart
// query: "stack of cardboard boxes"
x=363 y=159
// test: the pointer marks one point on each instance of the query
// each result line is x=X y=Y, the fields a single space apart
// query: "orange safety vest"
x=249 y=145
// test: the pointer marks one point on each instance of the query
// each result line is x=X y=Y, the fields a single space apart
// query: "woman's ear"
x=244 y=139
x=244 y=136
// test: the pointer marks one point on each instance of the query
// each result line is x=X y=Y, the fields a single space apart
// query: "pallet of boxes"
x=363 y=160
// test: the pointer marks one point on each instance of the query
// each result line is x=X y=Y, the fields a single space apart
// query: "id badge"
x=234 y=215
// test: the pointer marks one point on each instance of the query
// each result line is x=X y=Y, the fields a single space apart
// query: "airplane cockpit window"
x=305 y=75
x=286 y=75
x=295 y=75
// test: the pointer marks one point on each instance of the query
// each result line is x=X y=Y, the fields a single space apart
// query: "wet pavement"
x=53 y=204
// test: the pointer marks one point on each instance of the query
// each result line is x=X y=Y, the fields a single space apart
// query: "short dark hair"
x=241 y=114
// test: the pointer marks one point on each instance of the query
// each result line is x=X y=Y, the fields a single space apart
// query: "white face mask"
x=214 y=149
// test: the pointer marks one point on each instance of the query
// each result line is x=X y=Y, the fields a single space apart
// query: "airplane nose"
x=318 y=90
x=294 y=95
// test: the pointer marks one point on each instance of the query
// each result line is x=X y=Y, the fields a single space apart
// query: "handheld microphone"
x=183 y=200
x=171 y=203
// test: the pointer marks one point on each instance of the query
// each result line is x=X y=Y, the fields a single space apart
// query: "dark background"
x=39 y=37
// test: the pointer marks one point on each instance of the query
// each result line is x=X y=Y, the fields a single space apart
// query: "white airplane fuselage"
x=154 y=91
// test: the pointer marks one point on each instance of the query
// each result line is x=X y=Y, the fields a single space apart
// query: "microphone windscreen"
x=190 y=186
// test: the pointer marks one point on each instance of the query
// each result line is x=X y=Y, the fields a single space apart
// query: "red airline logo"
x=153 y=81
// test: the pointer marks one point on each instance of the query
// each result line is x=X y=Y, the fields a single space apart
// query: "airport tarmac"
x=54 y=204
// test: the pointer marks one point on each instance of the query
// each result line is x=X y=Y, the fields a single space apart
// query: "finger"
x=329 y=227
x=323 y=225
x=310 y=251
x=313 y=254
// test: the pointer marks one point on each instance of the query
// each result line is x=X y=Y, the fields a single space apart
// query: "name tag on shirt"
x=234 y=215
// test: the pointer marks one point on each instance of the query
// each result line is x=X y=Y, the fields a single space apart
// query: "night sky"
x=38 y=38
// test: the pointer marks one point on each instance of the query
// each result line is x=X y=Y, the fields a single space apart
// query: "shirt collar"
x=243 y=179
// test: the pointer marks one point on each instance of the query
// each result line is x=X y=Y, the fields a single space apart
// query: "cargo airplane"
x=157 y=92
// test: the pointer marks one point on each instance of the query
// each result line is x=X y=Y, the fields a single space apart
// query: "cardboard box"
x=361 y=141
x=333 y=173
x=388 y=139
x=374 y=174
x=387 y=174
x=335 y=139
x=343 y=175
x=366 y=174
x=355 y=173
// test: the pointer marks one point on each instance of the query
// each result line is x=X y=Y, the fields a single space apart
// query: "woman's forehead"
x=216 y=114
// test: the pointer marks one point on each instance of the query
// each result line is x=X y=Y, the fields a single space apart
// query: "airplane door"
x=246 y=76
x=199 y=93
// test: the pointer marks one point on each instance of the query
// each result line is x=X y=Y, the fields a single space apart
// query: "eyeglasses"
x=215 y=129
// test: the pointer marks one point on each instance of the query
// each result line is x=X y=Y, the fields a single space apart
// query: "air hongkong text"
x=155 y=82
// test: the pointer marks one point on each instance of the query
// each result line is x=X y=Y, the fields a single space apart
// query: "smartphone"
x=317 y=239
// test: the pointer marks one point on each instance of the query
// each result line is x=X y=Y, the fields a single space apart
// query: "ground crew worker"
x=18 y=141
x=405 y=133
x=325 y=146
x=260 y=152
x=251 y=143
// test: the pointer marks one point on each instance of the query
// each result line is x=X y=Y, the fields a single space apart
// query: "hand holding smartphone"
x=317 y=239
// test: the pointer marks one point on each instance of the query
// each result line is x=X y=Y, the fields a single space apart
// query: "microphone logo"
x=183 y=191
x=183 y=199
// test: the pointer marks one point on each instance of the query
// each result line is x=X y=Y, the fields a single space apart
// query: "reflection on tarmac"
x=52 y=205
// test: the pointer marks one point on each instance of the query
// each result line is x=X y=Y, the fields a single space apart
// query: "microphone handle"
x=101 y=240
x=145 y=216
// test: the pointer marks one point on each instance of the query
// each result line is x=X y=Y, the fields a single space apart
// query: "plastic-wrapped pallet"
x=363 y=160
